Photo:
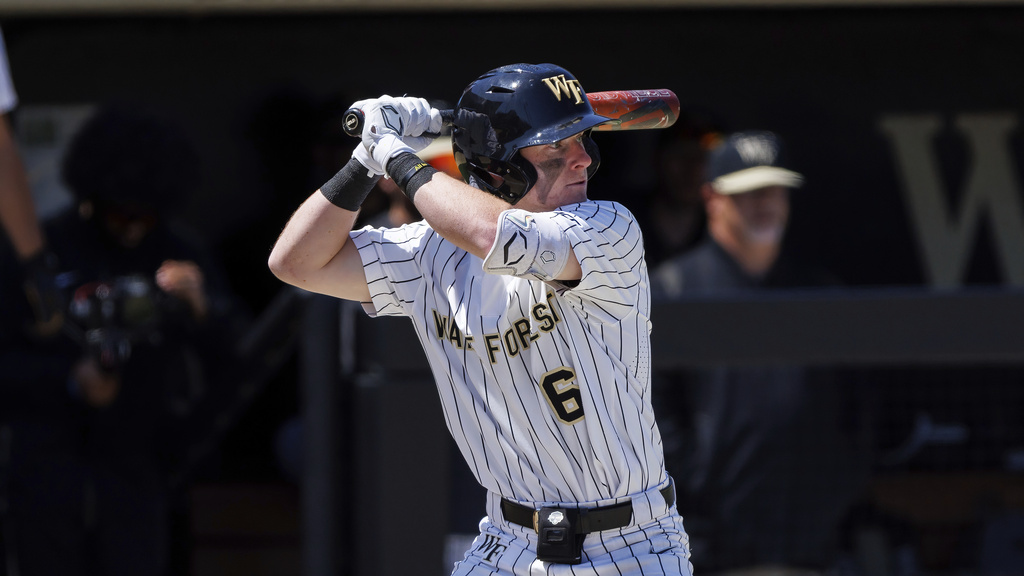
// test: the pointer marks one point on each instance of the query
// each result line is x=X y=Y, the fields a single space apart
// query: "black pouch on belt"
x=558 y=538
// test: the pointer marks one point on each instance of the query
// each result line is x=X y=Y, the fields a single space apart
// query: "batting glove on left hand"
x=393 y=126
x=403 y=116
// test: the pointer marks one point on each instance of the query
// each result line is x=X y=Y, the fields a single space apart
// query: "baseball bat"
x=627 y=109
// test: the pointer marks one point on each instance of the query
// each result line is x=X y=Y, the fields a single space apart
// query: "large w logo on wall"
x=945 y=234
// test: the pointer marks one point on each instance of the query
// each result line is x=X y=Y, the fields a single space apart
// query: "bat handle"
x=352 y=122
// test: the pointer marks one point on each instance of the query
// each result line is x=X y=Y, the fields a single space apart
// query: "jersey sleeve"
x=606 y=240
x=608 y=243
x=391 y=264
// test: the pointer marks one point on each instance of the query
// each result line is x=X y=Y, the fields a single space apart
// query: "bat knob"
x=352 y=122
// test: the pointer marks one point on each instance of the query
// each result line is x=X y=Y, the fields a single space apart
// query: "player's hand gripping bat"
x=627 y=109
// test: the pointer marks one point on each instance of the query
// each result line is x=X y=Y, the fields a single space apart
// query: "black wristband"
x=350 y=186
x=409 y=172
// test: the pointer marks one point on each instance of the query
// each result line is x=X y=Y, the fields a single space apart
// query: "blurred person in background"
x=767 y=466
x=101 y=415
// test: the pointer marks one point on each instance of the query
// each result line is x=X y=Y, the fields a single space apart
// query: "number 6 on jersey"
x=563 y=395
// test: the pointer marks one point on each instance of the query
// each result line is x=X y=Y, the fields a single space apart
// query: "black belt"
x=586 y=520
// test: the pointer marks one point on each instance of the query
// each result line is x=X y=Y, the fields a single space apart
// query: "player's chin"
x=577 y=189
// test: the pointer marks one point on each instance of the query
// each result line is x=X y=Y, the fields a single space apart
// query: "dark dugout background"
x=249 y=88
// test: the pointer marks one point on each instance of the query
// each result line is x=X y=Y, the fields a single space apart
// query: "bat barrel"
x=635 y=109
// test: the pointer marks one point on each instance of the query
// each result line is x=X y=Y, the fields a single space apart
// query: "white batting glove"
x=392 y=126
x=420 y=117
x=390 y=145
x=362 y=155
x=403 y=116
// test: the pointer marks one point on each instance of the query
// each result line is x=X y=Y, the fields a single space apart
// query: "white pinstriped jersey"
x=546 y=390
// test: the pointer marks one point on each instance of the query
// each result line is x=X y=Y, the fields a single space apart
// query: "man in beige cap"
x=765 y=471
x=746 y=198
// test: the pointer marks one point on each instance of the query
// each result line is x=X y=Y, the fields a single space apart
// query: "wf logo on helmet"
x=559 y=85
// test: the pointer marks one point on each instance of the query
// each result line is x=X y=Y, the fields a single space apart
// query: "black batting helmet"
x=510 y=108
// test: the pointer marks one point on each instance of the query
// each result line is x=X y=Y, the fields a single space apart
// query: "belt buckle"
x=536 y=523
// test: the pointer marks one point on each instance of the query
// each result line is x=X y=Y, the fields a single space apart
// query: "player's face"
x=561 y=174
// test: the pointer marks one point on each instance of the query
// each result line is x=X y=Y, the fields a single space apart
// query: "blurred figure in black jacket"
x=95 y=420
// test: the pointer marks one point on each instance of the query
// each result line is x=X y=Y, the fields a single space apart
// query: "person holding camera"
x=100 y=416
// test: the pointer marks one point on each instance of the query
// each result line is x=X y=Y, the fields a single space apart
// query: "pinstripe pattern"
x=508 y=354
x=653 y=548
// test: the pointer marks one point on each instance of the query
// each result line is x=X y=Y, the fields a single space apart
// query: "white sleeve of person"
x=527 y=245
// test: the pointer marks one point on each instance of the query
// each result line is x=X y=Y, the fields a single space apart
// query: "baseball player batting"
x=531 y=302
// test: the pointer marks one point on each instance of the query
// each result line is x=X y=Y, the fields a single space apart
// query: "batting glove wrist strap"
x=350 y=186
x=410 y=172
x=362 y=155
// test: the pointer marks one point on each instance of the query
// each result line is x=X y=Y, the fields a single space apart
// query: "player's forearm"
x=460 y=213
x=17 y=212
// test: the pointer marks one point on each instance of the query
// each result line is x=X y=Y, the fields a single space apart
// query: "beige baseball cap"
x=747 y=161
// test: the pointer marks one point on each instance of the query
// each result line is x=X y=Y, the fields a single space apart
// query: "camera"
x=114 y=316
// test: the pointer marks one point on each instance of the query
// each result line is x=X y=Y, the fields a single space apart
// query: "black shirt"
x=763 y=466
